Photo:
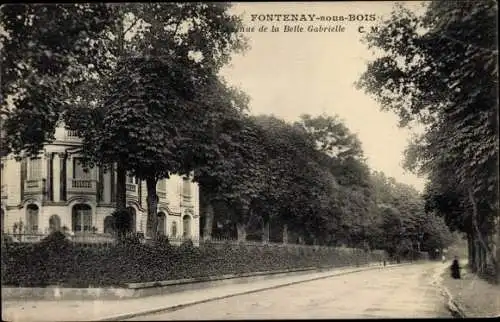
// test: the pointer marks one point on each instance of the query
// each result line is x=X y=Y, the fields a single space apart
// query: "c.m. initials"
x=362 y=29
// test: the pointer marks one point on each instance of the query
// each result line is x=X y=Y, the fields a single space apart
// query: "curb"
x=213 y=278
x=137 y=290
x=453 y=306
x=170 y=308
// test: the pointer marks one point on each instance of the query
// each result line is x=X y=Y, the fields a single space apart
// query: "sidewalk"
x=473 y=296
x=124 y=309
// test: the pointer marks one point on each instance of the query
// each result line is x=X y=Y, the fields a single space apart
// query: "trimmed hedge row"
x=56 y=261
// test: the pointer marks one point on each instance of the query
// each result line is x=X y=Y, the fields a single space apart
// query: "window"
x=162 y=224
x=109 y=224
x=174 y=229
x=131 y=179
x=82 y=218
x=54 y=223
x=35 y=169
x=32 y=219
x=186 y=226
x=78 y=170
x=186 y=187
x=161 y=185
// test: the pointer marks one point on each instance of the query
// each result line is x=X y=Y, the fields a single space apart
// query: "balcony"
x=4 y=191
x=34 y=186
x=162 y=194
x=82 y=186
x=186 y=200
x=131 y=189
x=71 y=136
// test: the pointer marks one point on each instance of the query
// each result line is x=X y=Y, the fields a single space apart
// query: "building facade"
x=53 y=192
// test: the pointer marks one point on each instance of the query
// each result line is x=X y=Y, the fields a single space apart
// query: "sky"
x=292 y=73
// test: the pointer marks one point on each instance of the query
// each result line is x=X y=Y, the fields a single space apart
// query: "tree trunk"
x=285 y=234
x=152 y=199
x=265 y=232
x=121 y=193
x=498 y=251
x=209 y=216
x=477 y=257
x=242 y=233
x=487 y=251
x=121 y=172
x=470 y=251
x=482 y=259
x=473 y=263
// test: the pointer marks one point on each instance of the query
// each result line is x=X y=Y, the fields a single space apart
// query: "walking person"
x=455 y=269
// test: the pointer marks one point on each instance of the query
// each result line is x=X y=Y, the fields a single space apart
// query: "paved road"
x=400 y=292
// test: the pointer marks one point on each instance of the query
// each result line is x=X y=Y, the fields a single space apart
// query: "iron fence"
x=9 y=238
x=107 y=240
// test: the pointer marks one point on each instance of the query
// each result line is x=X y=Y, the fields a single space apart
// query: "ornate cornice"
x=136 y=204
x=80 y=199
x=54 y=203
x=27 y=201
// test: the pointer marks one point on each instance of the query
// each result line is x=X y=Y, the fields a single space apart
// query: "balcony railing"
x=4 y=191
x=131 y=187
x=161 y=194
x=71 y=136
x=34 y=186
x=82 y=186
x=132 y=190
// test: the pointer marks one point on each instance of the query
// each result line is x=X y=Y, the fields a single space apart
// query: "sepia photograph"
x=249 y=160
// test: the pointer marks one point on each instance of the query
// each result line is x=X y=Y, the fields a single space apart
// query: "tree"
x=233 y=173
x=437 y=235
x=84 y=58
x=403 y=215
x=159 y=127
x=332 y=136
x=45 y=55
x=295 y=188
x=340 y=152
x=439 y=69
x=267 y=173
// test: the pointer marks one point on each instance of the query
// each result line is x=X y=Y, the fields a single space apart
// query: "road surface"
x=409 y=291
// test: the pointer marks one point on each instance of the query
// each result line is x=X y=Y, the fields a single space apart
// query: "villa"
x=52 y=191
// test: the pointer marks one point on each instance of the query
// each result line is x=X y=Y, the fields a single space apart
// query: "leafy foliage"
x=439 y=69
x=45 y=55
x=403 y=217
x=152 y=62
x=138 y=82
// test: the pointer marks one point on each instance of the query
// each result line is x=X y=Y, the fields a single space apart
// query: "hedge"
x=56 y=261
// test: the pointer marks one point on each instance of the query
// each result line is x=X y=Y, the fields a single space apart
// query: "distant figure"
x=443 y=258
x=455 y=269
